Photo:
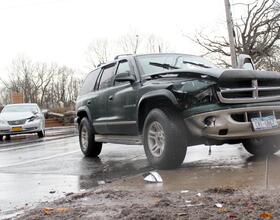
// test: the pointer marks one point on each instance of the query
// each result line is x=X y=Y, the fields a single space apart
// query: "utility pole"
x=230 y=34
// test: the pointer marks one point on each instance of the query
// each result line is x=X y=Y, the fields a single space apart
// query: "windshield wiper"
x=196 y=64
x=163 y=65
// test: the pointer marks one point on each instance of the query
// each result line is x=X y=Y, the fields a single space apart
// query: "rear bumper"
x=226 y=127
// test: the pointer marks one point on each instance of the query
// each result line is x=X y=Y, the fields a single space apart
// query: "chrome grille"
x=252 y=94
x=17 y=122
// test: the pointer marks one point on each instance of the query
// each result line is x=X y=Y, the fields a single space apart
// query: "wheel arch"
x=155 y=99
x=83 y=112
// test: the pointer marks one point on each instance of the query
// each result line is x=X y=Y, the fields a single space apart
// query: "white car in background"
x=21 y=119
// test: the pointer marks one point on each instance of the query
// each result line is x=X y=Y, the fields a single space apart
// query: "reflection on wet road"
x=46 y=170
x=228 y=166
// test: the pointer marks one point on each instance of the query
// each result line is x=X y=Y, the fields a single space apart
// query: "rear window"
x=89 y=82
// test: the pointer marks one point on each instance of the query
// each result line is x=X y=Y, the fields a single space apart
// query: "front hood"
x=14 y=116
x=237 y=75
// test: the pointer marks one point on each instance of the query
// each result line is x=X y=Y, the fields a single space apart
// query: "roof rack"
x=122 y=55
x=100 y=64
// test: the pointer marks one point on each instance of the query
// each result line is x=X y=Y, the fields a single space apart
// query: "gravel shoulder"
x=213 y=203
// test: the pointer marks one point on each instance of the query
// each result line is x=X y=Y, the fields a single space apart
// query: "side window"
x=89 y=82
x=106 y=78
x=122 y=68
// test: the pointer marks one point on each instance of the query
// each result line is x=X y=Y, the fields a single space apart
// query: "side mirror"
x=35 y=112
x=125 y=77
x=245 y=62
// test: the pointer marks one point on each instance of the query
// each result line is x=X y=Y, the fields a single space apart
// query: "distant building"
x=17 y=97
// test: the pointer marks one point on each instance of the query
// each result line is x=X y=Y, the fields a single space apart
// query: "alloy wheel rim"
x=156 y=139
x=84 y=138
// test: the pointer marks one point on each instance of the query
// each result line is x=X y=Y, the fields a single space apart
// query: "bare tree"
x=155 y=44
x=257 y=33
x=98 y=52
x=130 y=43
x=47 y=85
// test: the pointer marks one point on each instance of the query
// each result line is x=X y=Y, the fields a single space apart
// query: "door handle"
x=88 y=102
x=111 y=98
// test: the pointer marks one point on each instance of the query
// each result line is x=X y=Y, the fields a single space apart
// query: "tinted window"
x=122 y=68
x=89 y=82
x=106 y=77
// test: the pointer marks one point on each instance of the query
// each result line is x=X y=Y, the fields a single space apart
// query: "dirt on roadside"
x=214 y=203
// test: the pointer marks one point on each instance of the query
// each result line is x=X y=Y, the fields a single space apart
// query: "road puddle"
x=228 y=166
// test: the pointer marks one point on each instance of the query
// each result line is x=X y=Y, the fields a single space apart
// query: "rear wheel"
x=1 y=137
x=164 y=139
x=262 y=146
x=89 y=146
x=41 y=134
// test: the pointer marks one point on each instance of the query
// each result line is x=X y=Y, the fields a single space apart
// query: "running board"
x=119 y=139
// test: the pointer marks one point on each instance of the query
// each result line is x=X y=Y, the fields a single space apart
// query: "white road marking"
x=34 y=144
x=39 y=159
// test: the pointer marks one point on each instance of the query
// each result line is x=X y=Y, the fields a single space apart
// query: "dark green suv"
x=170 y=101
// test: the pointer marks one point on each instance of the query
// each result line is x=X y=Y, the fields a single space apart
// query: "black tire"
x=41 y=134
x=88 y=145
x=173 y=145
x=1 y=137
x=8 y=137
x=262 y=146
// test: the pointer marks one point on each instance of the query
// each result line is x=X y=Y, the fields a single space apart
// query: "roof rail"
x=122 y=55
x=100 y=64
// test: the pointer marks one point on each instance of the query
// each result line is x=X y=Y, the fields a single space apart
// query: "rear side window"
x=107 y=76
x=89 y=82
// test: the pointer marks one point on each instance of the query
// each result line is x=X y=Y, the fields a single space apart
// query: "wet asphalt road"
x=50 y=168
x=33 y=171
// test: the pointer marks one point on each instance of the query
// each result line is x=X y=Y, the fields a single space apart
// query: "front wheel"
x=41 y=134
x=8 y=137
x=262 y=146
x=89 y=146
x=164 y=140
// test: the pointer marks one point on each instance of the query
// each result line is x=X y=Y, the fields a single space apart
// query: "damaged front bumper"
x=224 y=123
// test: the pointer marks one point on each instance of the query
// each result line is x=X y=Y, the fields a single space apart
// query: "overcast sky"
x=61 y=30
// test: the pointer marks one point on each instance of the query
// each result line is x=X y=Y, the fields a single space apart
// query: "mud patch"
x=221 y=190
x=116 y=204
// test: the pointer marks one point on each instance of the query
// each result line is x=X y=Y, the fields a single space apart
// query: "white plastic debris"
x=219 y=205
x=198 y=194
x=101 y=182
x=185 y=191
x=188 y=201
x=192 y=205
x=153 y=177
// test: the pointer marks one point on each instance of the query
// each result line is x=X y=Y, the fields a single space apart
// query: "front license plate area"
x=264 y=123
x=16 y=129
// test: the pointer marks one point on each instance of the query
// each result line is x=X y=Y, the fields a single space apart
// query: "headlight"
x=33 y=118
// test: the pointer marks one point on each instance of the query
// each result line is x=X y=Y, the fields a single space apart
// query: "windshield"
x=157 y=63
x=20 y=108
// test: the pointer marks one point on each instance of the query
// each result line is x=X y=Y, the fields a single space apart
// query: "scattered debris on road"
x=153 y=177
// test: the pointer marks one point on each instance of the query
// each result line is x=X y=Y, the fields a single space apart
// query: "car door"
x=122 y=104
x=98 y=102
